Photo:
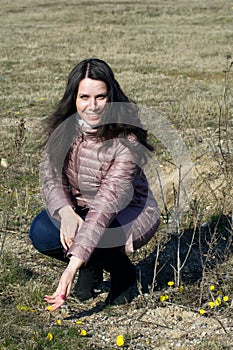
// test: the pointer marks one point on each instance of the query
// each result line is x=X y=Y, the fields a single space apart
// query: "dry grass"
x=169 y=56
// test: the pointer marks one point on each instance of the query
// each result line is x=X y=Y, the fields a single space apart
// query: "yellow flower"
x=42 y=98
x=202 y=311
x=163 y=298
x=58 y=322
x=50 y=336
x=120 y=340
x=83 y=332
x=220 y=292
x=181 y=289
x=212 y=287
x=211 y=304
x=78 y=322
x=147 y=341
x=20 y=307
x=50 y=308
x=225 y=298
x=218 y=301
x=170 y=283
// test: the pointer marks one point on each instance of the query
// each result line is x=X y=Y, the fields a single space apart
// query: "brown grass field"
x=174 y=58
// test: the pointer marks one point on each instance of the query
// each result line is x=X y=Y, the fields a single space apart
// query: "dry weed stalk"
x=178 y=230
x=4 y=231
x=20 y=136
x=178 y=217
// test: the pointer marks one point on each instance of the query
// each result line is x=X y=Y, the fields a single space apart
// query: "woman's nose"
x=92 y=103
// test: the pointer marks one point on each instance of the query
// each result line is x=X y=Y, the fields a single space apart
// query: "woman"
x=100 y=206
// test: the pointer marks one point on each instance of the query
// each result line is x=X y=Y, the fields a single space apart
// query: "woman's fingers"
x=55 y=301
x=67 y=234
x=66 y=242
x=63 y=290
x=70 y=224
x=62 y=239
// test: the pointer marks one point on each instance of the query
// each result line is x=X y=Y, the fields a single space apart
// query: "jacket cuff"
x=80 y=252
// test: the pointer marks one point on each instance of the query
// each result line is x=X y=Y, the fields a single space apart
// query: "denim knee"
x=44 y=232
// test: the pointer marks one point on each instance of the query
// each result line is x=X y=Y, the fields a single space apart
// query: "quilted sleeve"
x=55 y=188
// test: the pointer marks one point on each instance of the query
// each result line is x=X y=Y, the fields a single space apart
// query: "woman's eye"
x=102 y=97
x=84 y=97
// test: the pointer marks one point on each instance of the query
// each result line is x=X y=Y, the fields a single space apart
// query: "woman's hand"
x=64 y=287
x=70 y=224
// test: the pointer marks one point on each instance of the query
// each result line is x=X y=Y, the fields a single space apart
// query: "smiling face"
x=91 y=100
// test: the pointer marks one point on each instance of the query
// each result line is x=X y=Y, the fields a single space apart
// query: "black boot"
x=122 y=293
x=122 y=274
x=89 y=277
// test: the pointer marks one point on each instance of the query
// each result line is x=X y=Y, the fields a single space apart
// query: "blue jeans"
x=45 y=232
x=45 y=236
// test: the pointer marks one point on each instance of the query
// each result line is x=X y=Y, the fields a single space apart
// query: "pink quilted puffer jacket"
x=106 y=179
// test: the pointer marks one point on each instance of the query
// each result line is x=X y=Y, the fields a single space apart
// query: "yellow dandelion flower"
x=120 y=341
x=50 y=308
x=211 y=304
x=218 y=302
x=166 y=297
x=170 y=283
x=202 y=311
x=20 y=307
x=162 y=298
x=226 y=298
x=181 y=289
x=58 y=322
x=212 y=287
x=147 y=341
x=83 y=332
x=42 y=99
x=50 y=336
x=220 y=292
x=78 y=322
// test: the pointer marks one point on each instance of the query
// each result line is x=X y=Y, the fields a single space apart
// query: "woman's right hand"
x=64 y=287
x=70 y=224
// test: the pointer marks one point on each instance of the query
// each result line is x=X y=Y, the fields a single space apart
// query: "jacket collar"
x=84 y=129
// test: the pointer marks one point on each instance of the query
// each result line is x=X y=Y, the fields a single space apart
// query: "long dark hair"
x=122 y=111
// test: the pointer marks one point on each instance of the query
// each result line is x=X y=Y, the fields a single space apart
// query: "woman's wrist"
x=65 y=210
x=75 y=263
